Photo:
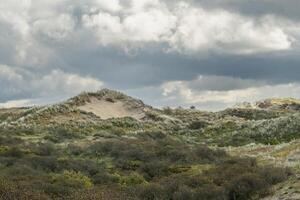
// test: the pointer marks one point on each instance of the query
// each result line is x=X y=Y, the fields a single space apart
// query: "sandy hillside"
x=106 y=109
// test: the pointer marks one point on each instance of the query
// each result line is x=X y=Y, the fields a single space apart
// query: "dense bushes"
x=235 y=179
x=197 y=125
x=153 y=156
x=149 y=166
x=72 y=179
x=13 y=191
x=62 y=153
x=13 y=152
x=100 y=193
x=59 y=134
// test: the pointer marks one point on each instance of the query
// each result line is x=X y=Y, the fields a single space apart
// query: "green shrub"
x=104 y=178
x=197 y=125
x=67 y=182
x=243 y=187
x=210 y=192
x=14 y=152
x=208 y=155
x=151 y=192
x=132 y=179
x=182 y=192
x=58 y=135
x=13 y=191
x=45 y=163
x=45 y=149
x=154 y=169
x=100 y=193
x=75 y=179
x=74 y=149
x=167 y=111
x=274 y=175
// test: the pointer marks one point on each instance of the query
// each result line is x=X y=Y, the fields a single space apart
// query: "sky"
x=208 y=53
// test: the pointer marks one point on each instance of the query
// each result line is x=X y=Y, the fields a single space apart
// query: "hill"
x=107 y=145
x=108 y=104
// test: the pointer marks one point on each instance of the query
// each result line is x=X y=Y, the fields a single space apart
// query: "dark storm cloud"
x=148 y=69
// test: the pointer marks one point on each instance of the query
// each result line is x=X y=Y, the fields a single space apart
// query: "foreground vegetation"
x=61 y=152
x=150 y=166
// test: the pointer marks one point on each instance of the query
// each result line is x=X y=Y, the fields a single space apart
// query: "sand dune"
x=106 y=109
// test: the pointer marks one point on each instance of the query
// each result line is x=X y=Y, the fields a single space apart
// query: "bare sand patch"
x=106 y=109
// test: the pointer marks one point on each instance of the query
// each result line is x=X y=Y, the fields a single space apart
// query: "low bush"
x=45 y=149
x=104 y=178
x=12 y=191
x=234 y=179
x=64 y=184
x=132 y=179
x=14 y=152
x=197 y=125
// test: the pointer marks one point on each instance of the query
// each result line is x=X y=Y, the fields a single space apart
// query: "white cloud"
x=31 y=102
x=11 y=81
x=186 y=93
x=9 y=74
x=17 y=83
x=54 y=28
x=188 y=29
x=16 y=103
x=108 y=28
x=152 y=25
x=30 y=28
x=16 y=34
x=16 y=13
x=60 y=82
x=136 y=6
x=111 y=5
x=220 y=30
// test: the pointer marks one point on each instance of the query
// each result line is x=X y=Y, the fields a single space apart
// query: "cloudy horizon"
x=211 y=54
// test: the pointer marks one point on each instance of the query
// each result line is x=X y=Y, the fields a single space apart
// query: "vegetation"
x=151 y=166
x=60 y=152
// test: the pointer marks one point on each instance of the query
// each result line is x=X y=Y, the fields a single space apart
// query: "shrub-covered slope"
x=66 y=151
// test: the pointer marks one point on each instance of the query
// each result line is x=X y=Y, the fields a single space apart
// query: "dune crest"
x=107 y=109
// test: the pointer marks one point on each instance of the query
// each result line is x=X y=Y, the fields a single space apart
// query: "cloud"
x=60 y=82
x=55 y=28
x=254 y=8
x=220 y=30
x=16 y=13
x=10 y=81
x=16 y=103
x=222 y=89
x=112 y=5
x=148 y=46
x=19 y=83
x=215 y=98
x=31 y=102
x=35 y=32
x=9 y=74
x=152 y=25
x=188 y=29
x=212 y=83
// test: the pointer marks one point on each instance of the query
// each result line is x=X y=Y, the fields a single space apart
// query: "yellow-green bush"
x=132 y=179
x=73 y=179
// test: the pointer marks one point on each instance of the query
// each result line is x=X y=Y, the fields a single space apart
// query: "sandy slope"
x=105 y=109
